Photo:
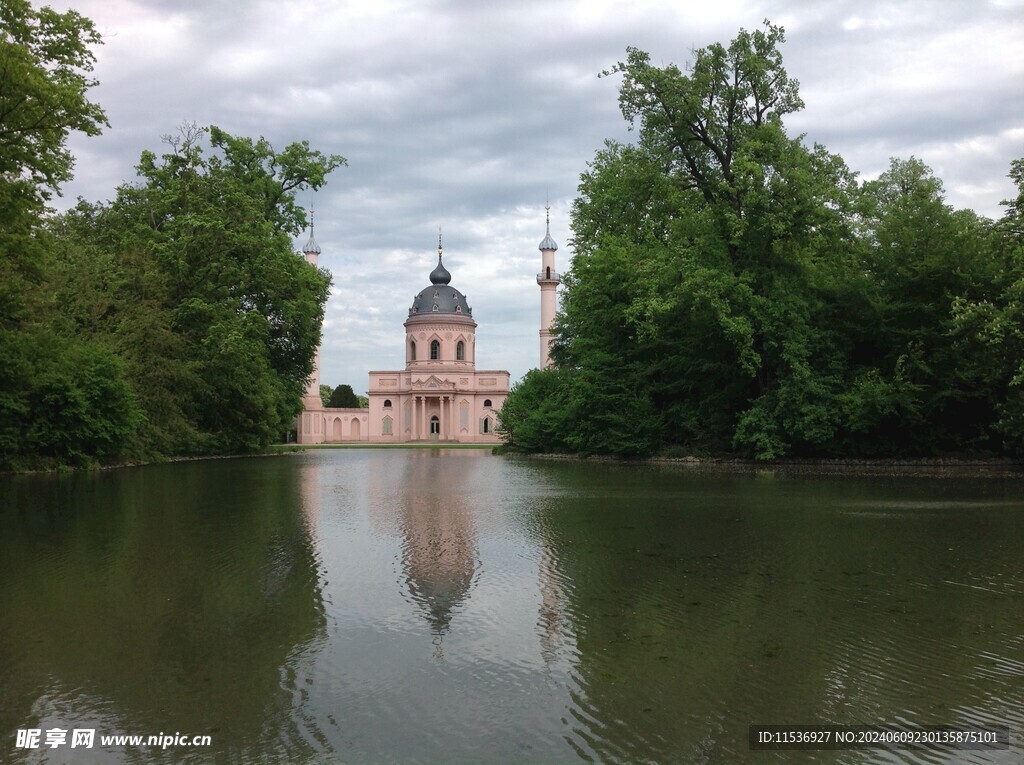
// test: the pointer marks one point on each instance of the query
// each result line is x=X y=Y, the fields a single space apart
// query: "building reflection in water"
x=309 y=480
x=551 y=618
x=440 y=560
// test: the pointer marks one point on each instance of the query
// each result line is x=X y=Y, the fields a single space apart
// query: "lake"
x=449 y=606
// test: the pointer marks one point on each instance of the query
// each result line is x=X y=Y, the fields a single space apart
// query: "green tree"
x=705 y=255
x=343 y=397
x=63 y=400
x=45 y=63
x=215 y=315
x=913 y=391
x=990 y=330
x=734 y=289
x=535 y=415
x=717 y=128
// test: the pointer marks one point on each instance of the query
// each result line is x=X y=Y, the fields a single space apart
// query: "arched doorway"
x=354 y=429
x=435 y=427
x=336 y=436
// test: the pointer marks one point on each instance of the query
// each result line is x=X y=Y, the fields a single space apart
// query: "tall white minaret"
x=312 y=400
x=548 y=279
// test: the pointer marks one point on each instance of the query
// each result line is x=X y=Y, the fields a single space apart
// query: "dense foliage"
x=45 y=65
x=343 y=397
x=734 y=290
x=175 y=319
x=190 y=277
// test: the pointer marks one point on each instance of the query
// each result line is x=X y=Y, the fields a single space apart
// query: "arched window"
x=412 y=351
x=486 y=426
x=385 y=428
x=387 y=403
x=548 y=271
x=487 y=403
x=434 y=309
x=460 y=351
x=435 y=350
x=458 y=309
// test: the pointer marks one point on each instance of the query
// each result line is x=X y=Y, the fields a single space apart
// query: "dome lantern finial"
x=440 y=274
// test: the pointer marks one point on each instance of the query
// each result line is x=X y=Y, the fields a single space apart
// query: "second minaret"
x=548 y=279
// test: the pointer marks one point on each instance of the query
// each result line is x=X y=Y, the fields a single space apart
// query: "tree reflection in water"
x=161 y=598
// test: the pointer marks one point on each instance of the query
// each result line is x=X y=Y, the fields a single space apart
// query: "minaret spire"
x=308 y=431
x=311 y=249
x=548 y=279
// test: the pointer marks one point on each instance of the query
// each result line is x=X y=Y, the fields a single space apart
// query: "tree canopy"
x=734 y=290
x=190 y=276
x=344 y=397
x=62 y=398
x=46 y=61
x=46 y=58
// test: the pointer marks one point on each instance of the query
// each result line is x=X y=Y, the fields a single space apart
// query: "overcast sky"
x=471 y=114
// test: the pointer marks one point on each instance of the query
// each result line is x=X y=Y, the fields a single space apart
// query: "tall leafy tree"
x=62 y=399
x=913 y=390
x=46 y=60
x=989 y=330
x=734 y=289
x=705 y=254
x=217 y=318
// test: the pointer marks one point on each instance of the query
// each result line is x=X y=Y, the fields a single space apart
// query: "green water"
x=451 y=606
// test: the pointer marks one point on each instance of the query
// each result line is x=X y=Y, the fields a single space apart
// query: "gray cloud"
x=471 y=114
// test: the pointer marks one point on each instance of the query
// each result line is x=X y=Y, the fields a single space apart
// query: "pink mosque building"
x=440 y=395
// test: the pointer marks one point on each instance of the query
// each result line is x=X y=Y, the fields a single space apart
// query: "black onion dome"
x=440 y=274
x=440 y=297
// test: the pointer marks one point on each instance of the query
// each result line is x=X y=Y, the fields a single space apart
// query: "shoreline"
x=276 y=450
x=1006 y=467
x=989 y=467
